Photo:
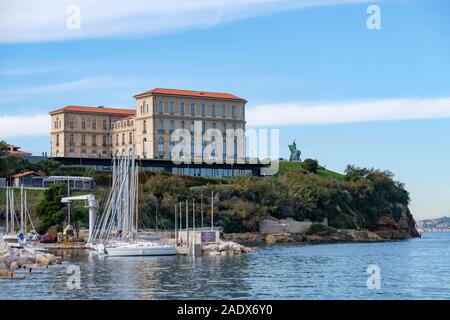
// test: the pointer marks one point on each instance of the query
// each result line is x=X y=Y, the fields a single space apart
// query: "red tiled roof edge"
x=191 y=93
x=126 y=112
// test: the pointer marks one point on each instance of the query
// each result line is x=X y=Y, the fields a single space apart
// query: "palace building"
x=99 y=132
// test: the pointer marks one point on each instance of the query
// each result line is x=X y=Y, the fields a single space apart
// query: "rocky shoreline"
x=13 y=259
x=284 y=237
x=386 y=228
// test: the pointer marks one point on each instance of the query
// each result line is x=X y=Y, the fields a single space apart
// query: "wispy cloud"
x=24 y=71
x=30 y=20
x=74 y=86
x=24 y=126
x=298 y=113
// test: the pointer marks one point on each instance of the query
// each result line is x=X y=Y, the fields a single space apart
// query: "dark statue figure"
x=295 y=154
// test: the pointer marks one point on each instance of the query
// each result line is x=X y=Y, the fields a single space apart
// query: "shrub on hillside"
x=310 y=165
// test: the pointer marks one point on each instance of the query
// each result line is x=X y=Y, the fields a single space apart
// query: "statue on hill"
x=295 y=154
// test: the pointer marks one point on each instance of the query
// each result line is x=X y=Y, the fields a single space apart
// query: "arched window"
x=131 y=137
x=83 y=124
x=145 y=126
x=57 y=139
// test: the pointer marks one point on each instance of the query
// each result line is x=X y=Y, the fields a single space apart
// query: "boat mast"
x=13 y=214
x=21 y=208
x=137 y=199
x=7 y=209
x=25 y=212
x=212 y=210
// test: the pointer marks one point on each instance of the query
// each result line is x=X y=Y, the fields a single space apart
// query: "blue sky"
x=308 y=62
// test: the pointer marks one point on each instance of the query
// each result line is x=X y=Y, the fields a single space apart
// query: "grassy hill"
x=291 y=166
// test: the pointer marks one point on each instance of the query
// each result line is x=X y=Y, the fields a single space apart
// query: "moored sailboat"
x=116 y=230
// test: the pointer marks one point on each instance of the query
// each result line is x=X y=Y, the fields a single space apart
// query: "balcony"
x=161 y=131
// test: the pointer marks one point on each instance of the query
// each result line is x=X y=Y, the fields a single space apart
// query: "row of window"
x=106 y=140
x=122 y=124
x=192 y=126
x=104 y=124
x=214 y=110
x=161 y=143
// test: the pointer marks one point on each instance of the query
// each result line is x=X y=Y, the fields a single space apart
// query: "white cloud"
x=297 y=113
x=288 y=114
x=45 y=20
x=24 y=126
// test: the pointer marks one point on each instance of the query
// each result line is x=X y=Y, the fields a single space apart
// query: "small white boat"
x=12 y=240
x=140 y=249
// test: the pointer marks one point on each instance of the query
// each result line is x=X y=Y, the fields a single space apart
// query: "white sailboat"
x=10 y=236
x=115 y=233
x=20 y=238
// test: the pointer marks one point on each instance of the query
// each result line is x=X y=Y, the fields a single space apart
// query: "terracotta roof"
x=125 y=112
x=25 y=173
x=191 y=93
x=126 y=118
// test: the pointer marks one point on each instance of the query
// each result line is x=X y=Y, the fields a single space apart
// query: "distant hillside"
x=434 y=225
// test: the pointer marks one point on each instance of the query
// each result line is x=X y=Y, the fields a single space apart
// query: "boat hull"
x=141 y=251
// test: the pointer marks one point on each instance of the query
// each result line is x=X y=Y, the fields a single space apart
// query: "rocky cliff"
x=388 y=228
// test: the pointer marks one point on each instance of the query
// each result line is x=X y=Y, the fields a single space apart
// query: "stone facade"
x=102 y=132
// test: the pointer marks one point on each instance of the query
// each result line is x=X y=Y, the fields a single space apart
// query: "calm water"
x=412 y=269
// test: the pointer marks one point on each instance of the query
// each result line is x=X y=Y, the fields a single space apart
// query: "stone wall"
x=288 y=225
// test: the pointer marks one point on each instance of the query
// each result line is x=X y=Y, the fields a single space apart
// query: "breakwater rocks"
x=225 y=248
x=13 y=259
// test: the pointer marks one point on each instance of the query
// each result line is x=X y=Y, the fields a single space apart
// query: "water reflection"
x=332 y=271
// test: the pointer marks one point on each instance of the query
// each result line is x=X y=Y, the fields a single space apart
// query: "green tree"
x=3 y=148
x=80 y=218
x=50 y=210
x=310 y=165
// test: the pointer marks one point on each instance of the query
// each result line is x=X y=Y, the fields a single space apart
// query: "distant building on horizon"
x=99 y=132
